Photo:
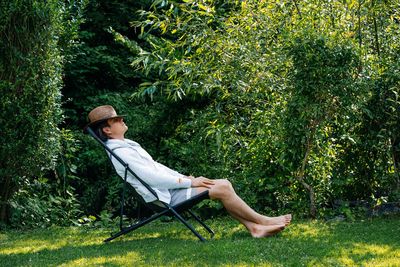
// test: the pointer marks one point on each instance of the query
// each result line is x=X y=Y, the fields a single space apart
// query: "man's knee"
x=225 y=185
x=222 y=189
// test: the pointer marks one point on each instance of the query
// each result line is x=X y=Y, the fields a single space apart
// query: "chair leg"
x=135 y=226
x=155 y=216
x=188 y=225
x=202 y=223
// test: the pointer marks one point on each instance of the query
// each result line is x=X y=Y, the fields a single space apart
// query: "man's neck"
x=118 y=137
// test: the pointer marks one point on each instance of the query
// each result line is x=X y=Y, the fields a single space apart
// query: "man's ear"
x=106 y=130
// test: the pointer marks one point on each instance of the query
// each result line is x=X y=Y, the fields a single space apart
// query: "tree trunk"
x=311 y=196
x=300 y=177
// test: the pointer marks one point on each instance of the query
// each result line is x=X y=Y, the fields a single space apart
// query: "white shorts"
x=179 y=195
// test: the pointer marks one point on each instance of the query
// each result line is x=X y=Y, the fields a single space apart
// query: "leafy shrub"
x=30 y=79
x=242 y=108
x=50 y=199
x=38 y=204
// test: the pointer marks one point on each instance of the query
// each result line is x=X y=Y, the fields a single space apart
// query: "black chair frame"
x=159 y=211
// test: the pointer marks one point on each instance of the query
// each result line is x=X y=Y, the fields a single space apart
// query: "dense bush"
x=50 y=199
x=31 y=47
x=322 y=92
x=296 y=103
x=272 y=114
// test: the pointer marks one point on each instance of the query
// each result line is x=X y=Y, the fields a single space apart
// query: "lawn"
x=369 y=242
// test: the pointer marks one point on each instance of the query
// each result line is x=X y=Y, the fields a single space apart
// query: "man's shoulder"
x=126 y=143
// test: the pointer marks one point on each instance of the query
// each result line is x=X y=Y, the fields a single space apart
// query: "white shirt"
x=159 y=177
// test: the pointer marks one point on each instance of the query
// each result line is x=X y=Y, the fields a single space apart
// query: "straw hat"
x=101 y=114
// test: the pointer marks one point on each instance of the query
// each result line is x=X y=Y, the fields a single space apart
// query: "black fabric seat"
x=164 y=209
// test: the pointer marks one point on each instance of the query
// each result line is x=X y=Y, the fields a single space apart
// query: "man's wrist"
x=185 y=180
x=189 y=177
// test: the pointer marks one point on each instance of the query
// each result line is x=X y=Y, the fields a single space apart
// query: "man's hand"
x=202 y=181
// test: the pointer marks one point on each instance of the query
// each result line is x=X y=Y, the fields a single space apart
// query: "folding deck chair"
x=159 y=211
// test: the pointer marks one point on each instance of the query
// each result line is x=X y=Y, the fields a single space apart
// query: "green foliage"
x=38 y=204
x=97 y=74
x=286 y=89
x=50 y=199
x=223 y=66
x=30 y=74
x=34 y=37
x=374 y=159
x=99 y=65
x=30 y=82
x=260 y=92
x=321 y=94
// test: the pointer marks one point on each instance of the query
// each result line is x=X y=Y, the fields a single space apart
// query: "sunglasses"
x=118 y=119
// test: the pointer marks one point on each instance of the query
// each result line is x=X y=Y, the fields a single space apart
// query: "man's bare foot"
x=258 y=230
x=284 y=219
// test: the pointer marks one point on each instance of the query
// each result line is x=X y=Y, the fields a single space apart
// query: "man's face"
x=117 y=126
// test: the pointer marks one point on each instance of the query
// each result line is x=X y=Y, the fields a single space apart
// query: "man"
x=170 y=186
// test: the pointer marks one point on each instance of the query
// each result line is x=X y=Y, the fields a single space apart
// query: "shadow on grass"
x=309 y=243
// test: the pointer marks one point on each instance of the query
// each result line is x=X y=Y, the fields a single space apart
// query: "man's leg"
x=258 y=225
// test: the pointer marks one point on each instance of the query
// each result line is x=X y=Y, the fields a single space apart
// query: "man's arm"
x=149 y=171
x=196 y=182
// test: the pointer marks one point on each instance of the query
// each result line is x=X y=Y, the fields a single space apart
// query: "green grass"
x=362 y=243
